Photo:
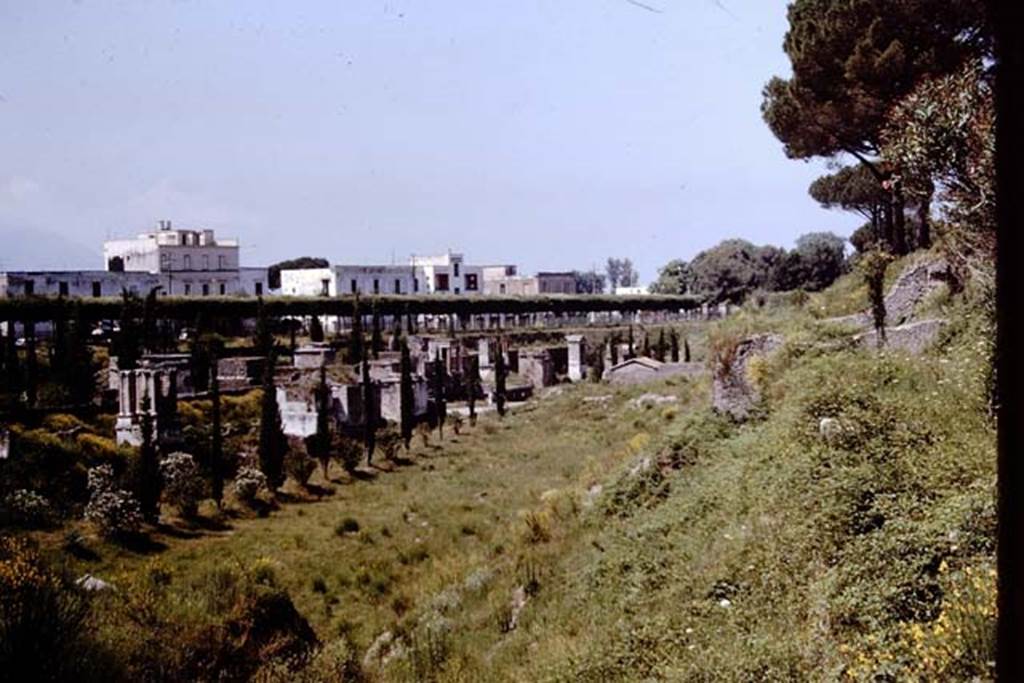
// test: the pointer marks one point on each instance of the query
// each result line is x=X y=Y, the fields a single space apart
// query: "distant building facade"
x=556 y=283
x=445 y=274
x=176 y=262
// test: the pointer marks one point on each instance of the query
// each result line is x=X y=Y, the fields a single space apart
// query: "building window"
x=415 y=284
x=223 y=289
x=206 y=262
x=188 y=262
x=259 y=289
x=455 y=269
x=376 y=286
x=165 y=261
x=398 y=286
x=325 y=288
x=456 y=290
x=97 y=290
x=62 y=289
x=471 y=283
x=206 y=289
x=355 y=287
x=30 y=287
x=501 y=288
x=222 y=263
x=188 y=289
x=441 y=282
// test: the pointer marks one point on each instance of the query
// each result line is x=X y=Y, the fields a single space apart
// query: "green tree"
x=499 y=379
x=303 y=262
x=376 y=339
x=80 y=366
x=272 y=443
x=319 y=443
x=686 y=349
x=472 y=384
x=31 y=364
x=439 y=382
x=873 y=266
x=149 y=483
x=128 y=340
x=732 y=269
x=316 y=329
x=355 y=335
x=851 y=63
x=661 y=347
x=819 y=258
x=673 y=340
x=408 y=398
x=150 y=335
x=13 y=383
x=369 y=410
x=216 y=464
x=673 y=278
x=855 y=189
x=631 y=352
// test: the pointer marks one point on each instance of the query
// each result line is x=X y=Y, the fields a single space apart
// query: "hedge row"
x=186 y=308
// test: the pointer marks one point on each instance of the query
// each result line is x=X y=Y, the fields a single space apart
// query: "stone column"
x=576 y=358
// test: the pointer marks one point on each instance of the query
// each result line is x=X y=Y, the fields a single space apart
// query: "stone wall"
x=732 y=391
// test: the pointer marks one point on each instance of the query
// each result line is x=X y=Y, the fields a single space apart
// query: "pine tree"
x=216 y=463
x=673 y=340
x=407 y=396
x=149 y=482
x=472 y=387
x=369 y=411
x=499 y=380
x=440 y=381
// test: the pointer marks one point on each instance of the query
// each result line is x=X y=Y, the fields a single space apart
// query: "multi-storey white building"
x=448 y=274
x=175 y=262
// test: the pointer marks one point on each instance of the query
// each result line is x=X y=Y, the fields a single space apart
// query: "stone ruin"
x=732 y=391
x=146 y=393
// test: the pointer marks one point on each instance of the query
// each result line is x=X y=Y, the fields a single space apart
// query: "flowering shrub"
x=248 y=483
x=114 y=511
x=29 y=508
x=183 y=485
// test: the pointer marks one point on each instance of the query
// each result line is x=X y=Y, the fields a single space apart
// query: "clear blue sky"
x=549 y=133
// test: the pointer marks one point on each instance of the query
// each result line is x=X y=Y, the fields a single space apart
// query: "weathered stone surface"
x=913 y=285
x=912 y=337
x=731 y=391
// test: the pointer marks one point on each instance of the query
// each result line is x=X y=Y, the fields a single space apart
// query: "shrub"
x=348 y=451
x=457 y=423
x=299 y=466
x=389 y=440
x=97 y=447
x=43 y=633
x=347 y=526
x=263 y=572
x=183 y=485
x=30 y=509
x=249 y=482
x=114 y=511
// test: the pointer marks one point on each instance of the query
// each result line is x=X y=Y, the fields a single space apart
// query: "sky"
x=551 y=134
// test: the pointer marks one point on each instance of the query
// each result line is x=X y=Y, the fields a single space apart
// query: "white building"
x=448 y=274
x=445 y=274
x=176 y=262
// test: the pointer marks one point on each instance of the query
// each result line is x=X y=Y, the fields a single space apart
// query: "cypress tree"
x=376 y=340
x=472 y=387
x=199 y=355
x=355 y=339
x=150 y=337
x=615 y=348
x=395 y=343
x=673 y=340
x=645 y=350
x=407 y=396
x=316 y=329
x=149 y=482
x=31 y=363
x=272 y=443
x=59 y=362
x=321 y=440
x=659 y=350
x=369 y=411
x=686 y=349
x=499 y=380
x=128 y=343
x=80 y=367
x=440 y=381
x=12 y=366
x=216 y=464
x=632 y=351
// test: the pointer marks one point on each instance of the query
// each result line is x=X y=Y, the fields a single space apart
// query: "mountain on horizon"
x=35 y=249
